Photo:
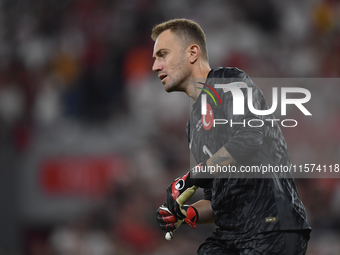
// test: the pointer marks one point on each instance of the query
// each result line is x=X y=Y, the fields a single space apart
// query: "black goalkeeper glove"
x=181 y=190
x=168 y=222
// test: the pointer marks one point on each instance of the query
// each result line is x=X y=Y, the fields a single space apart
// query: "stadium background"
x=89 y=139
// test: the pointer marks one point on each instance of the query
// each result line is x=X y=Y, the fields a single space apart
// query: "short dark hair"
x=187 y=30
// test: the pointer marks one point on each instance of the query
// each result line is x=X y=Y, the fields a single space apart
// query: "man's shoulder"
x=232 y=76
x=226 y=72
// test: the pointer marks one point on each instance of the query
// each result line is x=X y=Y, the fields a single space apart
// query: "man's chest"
x=206 y=137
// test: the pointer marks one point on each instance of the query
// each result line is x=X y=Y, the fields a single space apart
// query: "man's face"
x=171 y=62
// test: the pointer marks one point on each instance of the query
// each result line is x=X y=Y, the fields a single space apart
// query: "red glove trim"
x=192 y=217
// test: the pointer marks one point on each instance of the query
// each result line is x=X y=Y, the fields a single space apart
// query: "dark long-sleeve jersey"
x=245 y=206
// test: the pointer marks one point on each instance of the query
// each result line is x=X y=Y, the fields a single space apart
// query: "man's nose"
x=156 y=66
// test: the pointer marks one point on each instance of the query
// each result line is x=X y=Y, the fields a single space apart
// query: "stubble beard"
x=180 y=81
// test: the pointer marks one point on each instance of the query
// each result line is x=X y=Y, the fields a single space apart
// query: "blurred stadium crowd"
x=76 y=79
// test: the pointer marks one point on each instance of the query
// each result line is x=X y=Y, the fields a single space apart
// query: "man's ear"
x=195 y=51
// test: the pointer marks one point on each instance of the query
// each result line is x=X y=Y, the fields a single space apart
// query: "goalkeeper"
x=252 y=215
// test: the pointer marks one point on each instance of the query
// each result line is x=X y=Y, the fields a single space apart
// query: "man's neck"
x=198 y=74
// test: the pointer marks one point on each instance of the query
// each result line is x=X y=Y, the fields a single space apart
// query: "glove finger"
x=166 y=219
x=178 y=212
x=174 y=208
x=164 y=211
x=171 y=205
x=172 y=227
x=168 y=227
x=170 y=201
x=186 y=195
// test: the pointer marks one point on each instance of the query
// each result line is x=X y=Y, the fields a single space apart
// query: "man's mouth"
x=162 y=77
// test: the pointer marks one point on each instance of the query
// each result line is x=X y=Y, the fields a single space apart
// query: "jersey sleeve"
x=187 y=130
x=207 y=193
